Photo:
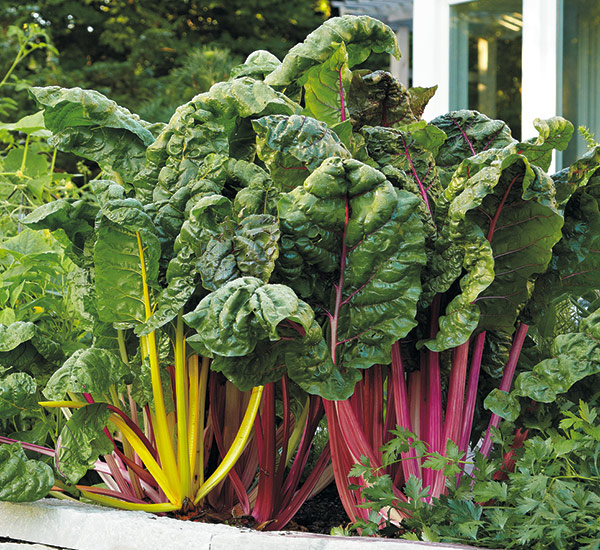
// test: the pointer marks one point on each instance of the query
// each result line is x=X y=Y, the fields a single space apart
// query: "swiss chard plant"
x=300 y=226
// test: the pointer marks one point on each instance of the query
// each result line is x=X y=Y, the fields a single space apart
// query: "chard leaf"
x=258 y=332
x=407 y=158
x=74 y=219
x=348 y=224
x=554 y=133
x=257 y=65
x=88 y=124
x=181 y=285
x=17 y=394
x=468 y=133
x=379 y=99
x=502 y=403
x=227 y=247
x=293 y=146
x=574 y=357
x=15 y=334
x=503 y=215
x=91 y=370
x=82 y=441
x=326 y=88
x=117 y=262
x=190 y=157
x=22 y=480
x=570 y=179
x=361 y=35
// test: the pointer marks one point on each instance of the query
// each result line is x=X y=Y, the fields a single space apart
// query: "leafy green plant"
x=301 y=222
x=550 y=498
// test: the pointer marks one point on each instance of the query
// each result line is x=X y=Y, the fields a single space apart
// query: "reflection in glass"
x=581 y=71
x=485 y=59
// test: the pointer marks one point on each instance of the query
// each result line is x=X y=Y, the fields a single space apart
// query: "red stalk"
x=265 y=501
x=506 y=382
x=287 y=513
x=472 y=392
x=398 y=390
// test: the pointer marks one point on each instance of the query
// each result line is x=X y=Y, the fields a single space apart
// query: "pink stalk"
x=398 y=390
x=506 y=382
x=109 y=493
x=315 y=413
x=115 y=470
x=341 y=464
x=454 y=409
x=434 y=397
x=29 y=446
x=265 y=501
x=287 y=513
x=472 y=392
x=285 y=395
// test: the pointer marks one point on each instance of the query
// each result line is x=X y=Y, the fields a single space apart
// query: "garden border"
x=78 y=526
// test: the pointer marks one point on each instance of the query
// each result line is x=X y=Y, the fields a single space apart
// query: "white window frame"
x=431 y=57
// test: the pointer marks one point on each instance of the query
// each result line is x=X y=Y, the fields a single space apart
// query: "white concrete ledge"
x=77 y=526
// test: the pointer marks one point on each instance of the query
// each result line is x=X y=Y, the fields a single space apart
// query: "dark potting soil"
x=320 y=514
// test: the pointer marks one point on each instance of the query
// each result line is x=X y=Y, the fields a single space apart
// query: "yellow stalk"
x=297 y=432
x=155 y=470
x=164 y=444
x=182 y=411
x=56 y=404
x=197 y=403
x=144 y=507
x=237 y=447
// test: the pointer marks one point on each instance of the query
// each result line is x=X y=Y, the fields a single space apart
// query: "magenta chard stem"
x=506 y=382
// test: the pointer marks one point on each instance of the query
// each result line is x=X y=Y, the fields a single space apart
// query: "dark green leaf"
x=293 y=147
x=17 y=394
x=22 y=480
x=361 y=35
x=82 y=441
x=502 y=403
x=91 y=370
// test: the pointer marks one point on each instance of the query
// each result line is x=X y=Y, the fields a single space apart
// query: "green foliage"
x=21 y=479
x=550 y=501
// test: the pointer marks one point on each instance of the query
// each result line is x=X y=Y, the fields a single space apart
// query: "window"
x=580 y=71
x=486 y=42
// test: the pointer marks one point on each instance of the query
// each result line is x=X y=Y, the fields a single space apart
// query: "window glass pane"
x=580 y=72
x=485 y=59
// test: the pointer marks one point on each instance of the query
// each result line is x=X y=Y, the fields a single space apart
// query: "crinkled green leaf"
x=191 y=156
x=502 y=403
x=227 y=247
x=379 y=99
x=573 y=177
x=30 y=124
x=503 y=215
x=75 y=219
x=82 y=441
x=21 y=479
x=361 y=35
x=574 y=357
x=326 y=88
x=468 y=133
x=258 y=331
x=181 y=285
x=407 y=158
x=294 y=146
x=91 y=370
x=88 y=124
x=347 y=227
x=554 y=133
x=17 y=394
x=117 y=262
x=258 y=64
x=14 y=334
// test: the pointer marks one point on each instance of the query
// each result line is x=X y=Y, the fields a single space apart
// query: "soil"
x=320 y=514
x=317 y=515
